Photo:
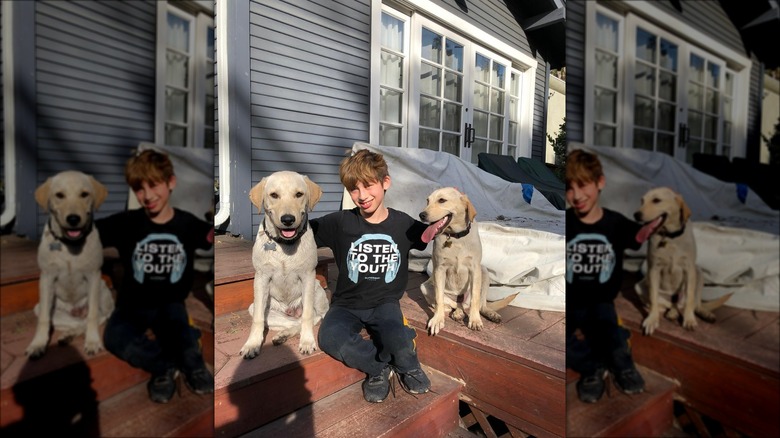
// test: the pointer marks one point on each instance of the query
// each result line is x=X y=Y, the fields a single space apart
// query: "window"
x=441 y=90
x=185 y=77
x=657 y=90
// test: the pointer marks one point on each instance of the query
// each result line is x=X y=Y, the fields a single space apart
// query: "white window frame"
x=199 y=24
x=668 y=26
x=518 y=61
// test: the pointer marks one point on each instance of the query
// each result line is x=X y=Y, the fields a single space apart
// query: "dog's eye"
x=274 y=195
x=60 y=195
x=442 y=200
x=299 y=194
x=84 y=194
x=656 y=200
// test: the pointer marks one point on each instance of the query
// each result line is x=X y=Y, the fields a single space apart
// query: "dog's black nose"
x=73 y=220
x=638 y=216
x=288 y=219
x=423 y=217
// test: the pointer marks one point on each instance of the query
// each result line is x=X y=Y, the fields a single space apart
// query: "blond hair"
x=364 y=166
x=149 y=166
x=582 y=167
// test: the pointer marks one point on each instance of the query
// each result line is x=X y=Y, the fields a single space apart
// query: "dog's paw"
x=250 y=351
x=35 y=351
x=436 y=324
x=476 y=323
x=279 y=339
x=93 y=348
x=458 y=314
x=491 y=315
x=689 y=321
x=672 y=314
x=650 y=323
x=307 y=347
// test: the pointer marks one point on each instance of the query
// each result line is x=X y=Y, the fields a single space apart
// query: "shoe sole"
x=389 y=378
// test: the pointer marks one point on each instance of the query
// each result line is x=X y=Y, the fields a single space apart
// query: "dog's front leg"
x=653 y=282
x=45 y=305
x=689 y=317
x=92 y=343
x=436 y=322
x=475 y=320
x=261 y=291
x=307 y=344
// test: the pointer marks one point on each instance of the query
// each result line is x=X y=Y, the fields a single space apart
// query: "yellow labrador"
x=459 y=280
x=671 y=260
x=70 y=257
x=287 y=296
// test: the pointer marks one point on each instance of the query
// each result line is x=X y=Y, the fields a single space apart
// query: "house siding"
x=309 y=94
x=95 y=87
x=575 y=70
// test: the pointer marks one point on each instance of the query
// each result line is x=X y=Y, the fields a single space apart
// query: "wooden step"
x=293 y=379
x=620 y=415
x=728 y=371
x=346 y=414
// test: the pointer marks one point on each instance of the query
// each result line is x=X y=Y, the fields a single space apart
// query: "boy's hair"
x=582 y=167
x=365 y=167
x=149 y=166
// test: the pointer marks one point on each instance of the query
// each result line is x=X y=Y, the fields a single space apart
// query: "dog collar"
x=673 y=235
x=460 y=234
x=291 y=241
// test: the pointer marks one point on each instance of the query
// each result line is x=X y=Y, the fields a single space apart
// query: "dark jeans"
x=391 y=342
x=176 y=343
x=605 y=343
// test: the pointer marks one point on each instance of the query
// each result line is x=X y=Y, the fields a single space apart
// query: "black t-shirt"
x=157 y=259
x=594 y=256
x=373 y=259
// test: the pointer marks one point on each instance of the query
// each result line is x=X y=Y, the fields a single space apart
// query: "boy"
x=595 y=240
x=156 y=247
x=371 y=246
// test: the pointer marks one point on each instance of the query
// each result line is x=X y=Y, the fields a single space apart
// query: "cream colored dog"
x=671 y=261
x=457 y=262
x=287 y=296
x=70 y=257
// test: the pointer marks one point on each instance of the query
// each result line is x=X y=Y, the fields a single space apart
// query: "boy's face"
x=370 y=197
x=583 y=197
x=154 y=196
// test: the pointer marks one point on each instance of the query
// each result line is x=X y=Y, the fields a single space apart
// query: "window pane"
x=429 y=139
x=389 y=135
x=176 y=70
x=606 y=69
x=482 y=69
x=729 y=90
x=208 y=138
x=694 y=123
x=175 y=106
x=643 y=139
x=430 y=79
x=695 y=97
x=499 y=75
x=727 y=109
x=513 y=132
x=513 y=113
x=511 y=151
x=178 y=33
x=453 y=86
x=709 y=148
x=712 y=101
x=478 y=147
x=644 y=80
x=710 y=127
x=693 y=147
x=480 y=124
x=713 y=75
x=666 y=116
x=452 y=116
x=668 y=87
x=726 y=132
x=605 y=105
x=604 y=135
x=454 y=58
x=496 y=128
x=175 y=135
x=514 y=85
x=391 y=70
x=668 y=55
x=430 y=114
x=666 y=144
x=450 y=143
x=431 y=46
x=481 y=96
x=494 y=147
x=645 y=45
x=697 y=68
x=606 y=33
x=497 y=101
x=392 y=33
x=644 y=112
x=390 y=106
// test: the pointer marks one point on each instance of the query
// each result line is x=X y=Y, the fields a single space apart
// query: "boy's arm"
x=108 y=229
x=323 y=229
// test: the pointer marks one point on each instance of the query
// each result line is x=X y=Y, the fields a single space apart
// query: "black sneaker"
x=376 y=388
x=629 y=381
x=162 y=387
x=591 y=388
x=200 y=381
x=415 y=381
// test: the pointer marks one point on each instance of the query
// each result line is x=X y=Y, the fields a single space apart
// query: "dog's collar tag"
x=55 y=246
x=269 y=246
x=448 y=243
x=662 y=243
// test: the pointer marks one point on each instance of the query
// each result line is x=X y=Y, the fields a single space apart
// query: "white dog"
x=70 y=257
x=287 y=296
x=457 y=262
x=671 y=260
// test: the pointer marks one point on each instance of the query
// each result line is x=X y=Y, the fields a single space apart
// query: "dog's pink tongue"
x=74 y=233
x=648 y=229
x=433 y=229
x=288 y=233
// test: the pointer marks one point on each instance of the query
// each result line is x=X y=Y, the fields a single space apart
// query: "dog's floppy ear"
x=685 y=212
x=315 y=192
x=42 y=194
x=100 y=191
x=471 y=212
x=256 y=195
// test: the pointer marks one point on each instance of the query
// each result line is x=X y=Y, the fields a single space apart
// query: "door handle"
x=470 y=134
x=685 y=134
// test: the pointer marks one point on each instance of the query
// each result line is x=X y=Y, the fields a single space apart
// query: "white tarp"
x=737 y=244
x=523 y=245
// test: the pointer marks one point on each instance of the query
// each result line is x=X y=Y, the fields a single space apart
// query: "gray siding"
x=707 y=17
x=95 y=81
x=309 y=89
x=575 y=70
